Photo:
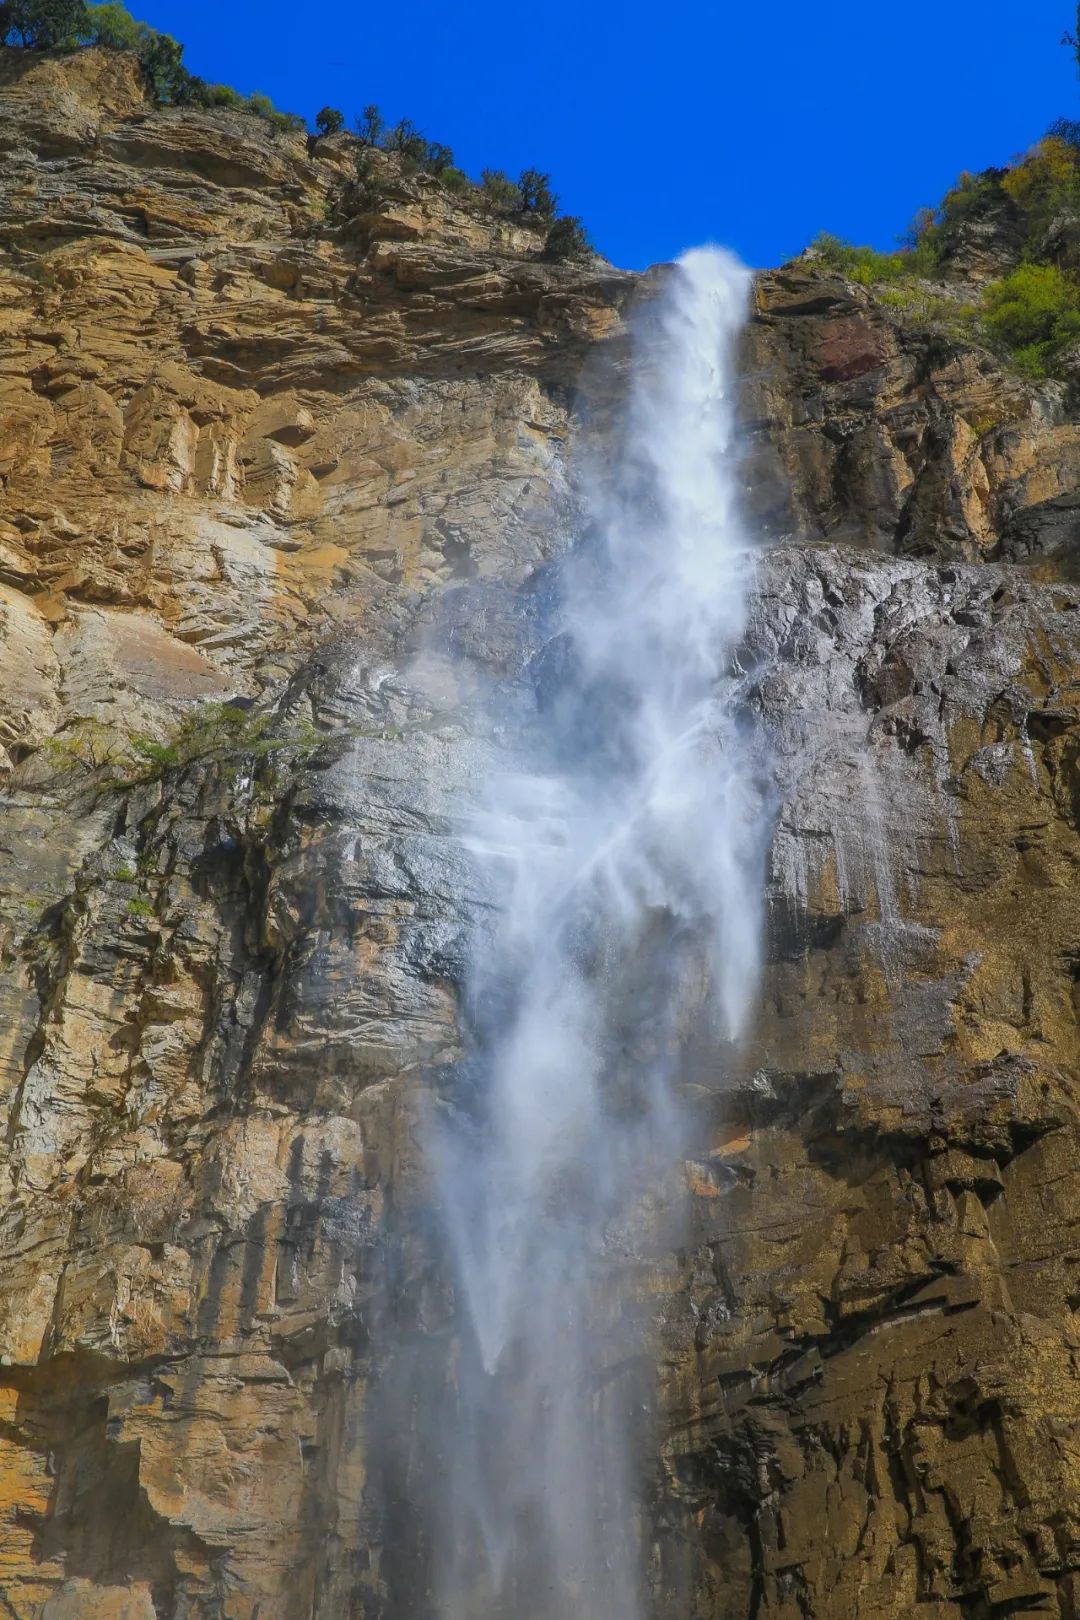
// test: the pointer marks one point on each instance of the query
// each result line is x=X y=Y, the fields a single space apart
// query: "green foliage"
x=415 y=152
x=984 y=424
x=1034 y=313
x=285 y=123
x=329 y=121
x=1045 y=183
x=863 y=264
x=113 y=27
x=139 y=907
x=44 y=25
x=407 y=142
x=109 y=24
x=89 y=745
x=362 y=196
x=969 y=196
x=217 y=95
x=537 y=196
x=168 y=80
x=221 y=731
x=190 y=91
x=124 y=874
x=500 y=191
x=438 y=159
x=956 y=318
x=568 y=239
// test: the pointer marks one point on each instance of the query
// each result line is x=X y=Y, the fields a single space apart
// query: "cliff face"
x=257 y=447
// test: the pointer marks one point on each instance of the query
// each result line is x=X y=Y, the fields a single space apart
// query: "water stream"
x=625 y=844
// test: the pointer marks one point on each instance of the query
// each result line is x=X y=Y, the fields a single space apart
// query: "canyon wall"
x=281 y=470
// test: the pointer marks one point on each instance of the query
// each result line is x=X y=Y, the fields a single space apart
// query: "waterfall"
x=624 y=841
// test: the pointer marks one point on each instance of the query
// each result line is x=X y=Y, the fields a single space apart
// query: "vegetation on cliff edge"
x=1031 y=315
x=70 y=24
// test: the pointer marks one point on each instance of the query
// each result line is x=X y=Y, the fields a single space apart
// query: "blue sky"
x=669 y=124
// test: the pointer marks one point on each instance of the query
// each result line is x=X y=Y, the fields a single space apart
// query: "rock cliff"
x=265 y=454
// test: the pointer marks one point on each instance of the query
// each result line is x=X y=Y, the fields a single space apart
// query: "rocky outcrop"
x=278 y=478
x=873 y=427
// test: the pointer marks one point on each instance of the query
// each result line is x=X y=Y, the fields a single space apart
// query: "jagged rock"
x=870 y=430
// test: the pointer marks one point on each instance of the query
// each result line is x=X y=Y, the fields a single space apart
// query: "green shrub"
x=88 y=745
x=862 y=264
x=1030 y=305
x=285 y=123
x=218 y=95
x=168 y=80
x=568 y=239
x=1044 y=181
x=969 y=195
x=221 y=731
x=407 y=143
x=500 y=191
x=1035 y=313
x=113 y=27
x=537 y=196
x=45 y=24
x=329 y=121
x=437 y=158
x=956 y=318
x=139 y=907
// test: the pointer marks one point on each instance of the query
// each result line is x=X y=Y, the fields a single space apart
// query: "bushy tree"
x=500 y=191
x=408 y=143
x=216 y=95
x=1049 y=169
x=113 y=26
x=45 y=24
x=329 y=121
x=568 y=239
x=1035 y=312
x=168 y=79
x=285 y=123
x=537 y=196
x=363 y=194
x=1029 y=305
x=437 y=158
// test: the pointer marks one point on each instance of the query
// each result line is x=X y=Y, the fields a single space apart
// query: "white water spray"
x=626 y=846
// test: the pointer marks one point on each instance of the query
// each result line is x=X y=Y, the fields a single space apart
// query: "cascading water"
x=625 y=844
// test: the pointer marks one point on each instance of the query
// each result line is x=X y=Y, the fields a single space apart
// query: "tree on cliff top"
x=44 y=24
x=112 y=26
x=537 y=196
x=329 y=121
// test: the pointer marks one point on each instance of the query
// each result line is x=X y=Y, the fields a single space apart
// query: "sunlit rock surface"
x=252 y=448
